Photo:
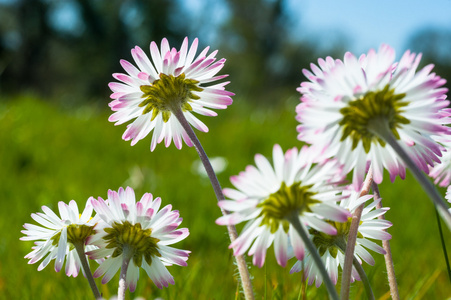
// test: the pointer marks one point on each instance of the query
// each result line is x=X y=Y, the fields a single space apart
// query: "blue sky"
x=367 y=24
x=363 y=24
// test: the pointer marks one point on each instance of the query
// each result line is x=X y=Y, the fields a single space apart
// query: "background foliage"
x=56 y=143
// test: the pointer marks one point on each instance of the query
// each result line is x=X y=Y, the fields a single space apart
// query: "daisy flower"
x=448 y=194
x=349 y=107
x=140 y=232
x=56 y=237
x=266 y=195
x=330 y=246
x=441 y=172
x=173 y=81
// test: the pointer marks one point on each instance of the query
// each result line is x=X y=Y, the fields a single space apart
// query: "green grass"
x=50 y=154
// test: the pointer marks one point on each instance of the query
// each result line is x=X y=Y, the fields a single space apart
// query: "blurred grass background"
x=56 y=58
x=50 y=154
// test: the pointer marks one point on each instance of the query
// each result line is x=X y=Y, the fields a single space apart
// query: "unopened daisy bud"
x=139 y=232
x=57 y=235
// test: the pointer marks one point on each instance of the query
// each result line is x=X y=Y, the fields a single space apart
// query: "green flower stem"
x=80 y=248
x=302 y=290
x=294 y=220
x=388 y=256
x=362 y=274
x=241 y=262
x=127 y=254
x=352 y=238
x=442 y=239
x=380 y=128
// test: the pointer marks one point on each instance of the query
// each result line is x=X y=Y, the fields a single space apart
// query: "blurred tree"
x=264 y=56
x=25 y=40
x=67 y=49
x=435 y=44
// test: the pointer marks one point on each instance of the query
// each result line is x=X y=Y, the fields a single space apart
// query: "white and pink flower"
x=329 y=247
x=138 y=231
x=55 y=235
x=150 y=92
x=266 y=195
x=344 y=101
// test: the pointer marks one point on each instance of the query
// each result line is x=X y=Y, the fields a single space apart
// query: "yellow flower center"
x=138 y=240
x=288 y=199
x=333 y=243
x=75 y=233
x=168 y=93
x=371 y=108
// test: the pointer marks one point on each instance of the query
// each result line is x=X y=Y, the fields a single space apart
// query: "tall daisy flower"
x=331 y=247
x=266 y=195
x=151 y=94
x=349 y=108
x=137 y=233
x=56 y=237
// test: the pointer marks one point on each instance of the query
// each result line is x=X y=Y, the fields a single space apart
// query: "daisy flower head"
x=173 y=81
x=266 y=195
x=139 y=232
x=441 y=172
x=330 y=247
x=56 y=236
x=448 y=194
x=349 y=107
